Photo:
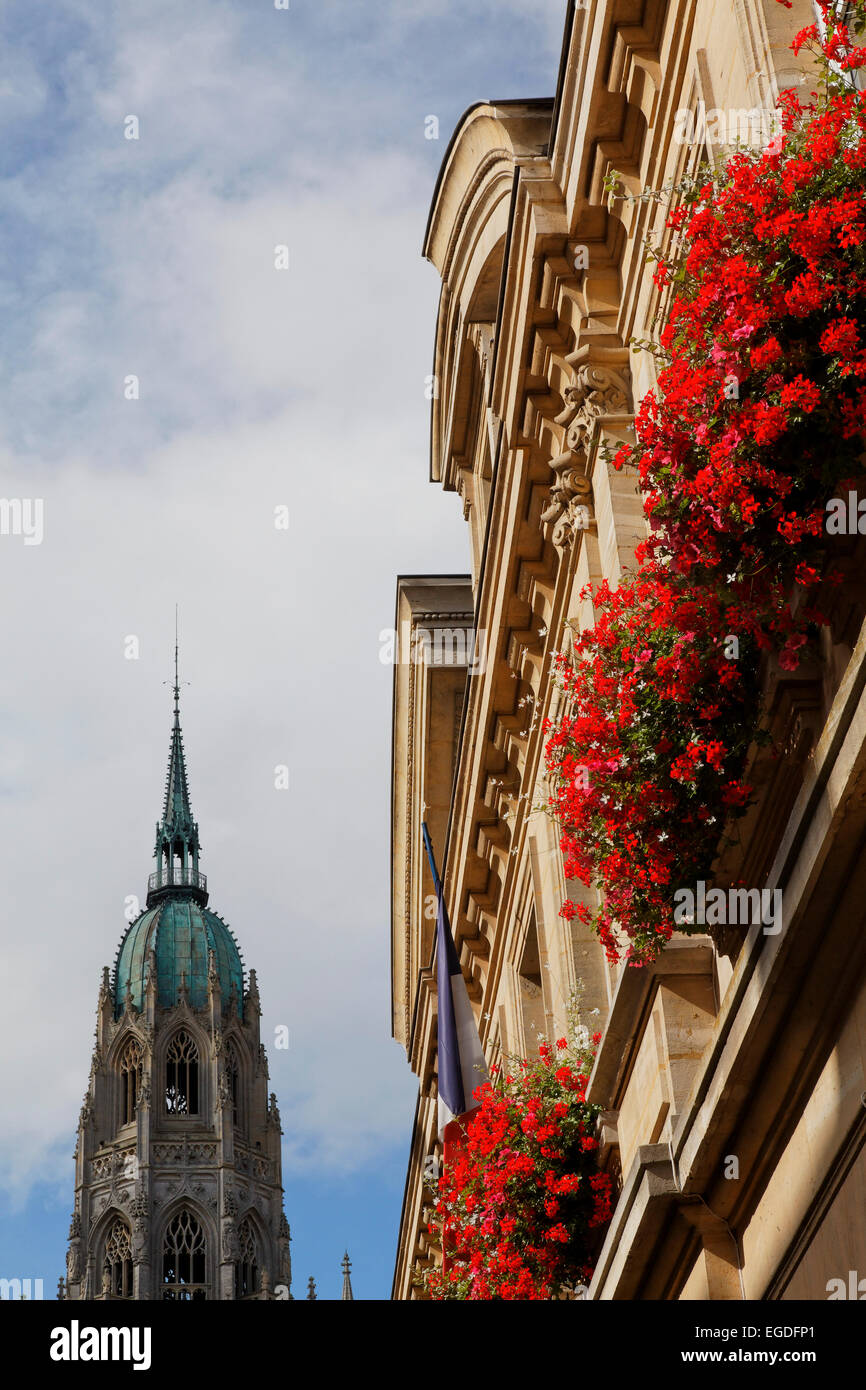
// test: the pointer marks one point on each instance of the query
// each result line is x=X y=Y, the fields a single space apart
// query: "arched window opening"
x=181 y=1076
x=247 y=1277
x=233 y=1070
x=184 y=1252
x=117 y=1263
x=130 y=1080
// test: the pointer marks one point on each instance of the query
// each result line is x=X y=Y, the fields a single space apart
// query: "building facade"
x=178 y=1192
x=732 y=1073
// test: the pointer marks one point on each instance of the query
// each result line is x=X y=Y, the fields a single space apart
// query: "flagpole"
x=449 y=1129
x=428 y=845
x=448 y=972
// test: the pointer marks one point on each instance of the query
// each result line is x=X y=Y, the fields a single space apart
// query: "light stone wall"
x=713 y=1054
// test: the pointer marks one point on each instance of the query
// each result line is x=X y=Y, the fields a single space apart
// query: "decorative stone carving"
x=139 y=1209
x=198 y=1153
x=231 y=1245
x=168 y=1153
x=183 y=1187
x=114 y=1197
x=73 y=1262
x=284 y=1252
x=87 y=1289
x=150 y=983
x=224 y=1090
x=140 y=1217
x=600 y=388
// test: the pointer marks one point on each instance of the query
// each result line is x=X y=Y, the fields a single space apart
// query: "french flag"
x=462 y=1065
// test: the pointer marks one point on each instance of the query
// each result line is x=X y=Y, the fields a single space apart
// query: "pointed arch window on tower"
x=117 y=1263
x=130 y=1080
x=181 y=1075
x=184 y=1257
x=247 y=1277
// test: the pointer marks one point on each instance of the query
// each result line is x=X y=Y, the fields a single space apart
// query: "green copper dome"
x=176 y=932
x=180 y=932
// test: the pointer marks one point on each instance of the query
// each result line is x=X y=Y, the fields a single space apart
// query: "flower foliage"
x=757 y=417
x=522 y=1192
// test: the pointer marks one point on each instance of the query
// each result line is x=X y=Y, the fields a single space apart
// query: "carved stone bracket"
x=601 y=389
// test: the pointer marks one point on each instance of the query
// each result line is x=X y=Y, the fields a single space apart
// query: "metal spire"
x=347 y=1281
x=177 y=841
x=177 y=813
x=176 y=681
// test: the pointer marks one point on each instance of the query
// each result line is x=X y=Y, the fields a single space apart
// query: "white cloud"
x=257 y=387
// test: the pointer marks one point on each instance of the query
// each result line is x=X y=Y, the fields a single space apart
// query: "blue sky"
x=257 y=388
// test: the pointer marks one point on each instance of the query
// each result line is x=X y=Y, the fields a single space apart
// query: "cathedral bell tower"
x=178 y=1191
